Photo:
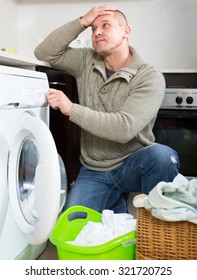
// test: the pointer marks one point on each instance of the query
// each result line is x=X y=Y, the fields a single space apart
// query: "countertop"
x=16 y=60
x=179 y=70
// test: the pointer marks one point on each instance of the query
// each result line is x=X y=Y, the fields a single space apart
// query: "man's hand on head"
x=95 y=12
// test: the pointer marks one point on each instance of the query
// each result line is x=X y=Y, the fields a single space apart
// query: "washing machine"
x=33 y=181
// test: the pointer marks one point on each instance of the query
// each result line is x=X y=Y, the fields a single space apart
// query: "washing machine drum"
x=34 y=178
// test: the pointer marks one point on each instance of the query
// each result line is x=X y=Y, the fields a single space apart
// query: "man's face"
x=107 y=34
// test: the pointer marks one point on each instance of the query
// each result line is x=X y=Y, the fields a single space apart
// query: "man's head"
x=110 y=33
x=120 y=17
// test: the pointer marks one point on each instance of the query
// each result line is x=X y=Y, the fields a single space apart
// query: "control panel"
x=22 y=88
x=186 y=98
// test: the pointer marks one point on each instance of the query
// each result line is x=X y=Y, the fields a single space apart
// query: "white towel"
x=111 y=226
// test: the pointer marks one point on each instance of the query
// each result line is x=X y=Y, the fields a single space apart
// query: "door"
x=34 y=178
x=177 y=129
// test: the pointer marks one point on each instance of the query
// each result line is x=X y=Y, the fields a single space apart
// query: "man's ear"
x=127 y=31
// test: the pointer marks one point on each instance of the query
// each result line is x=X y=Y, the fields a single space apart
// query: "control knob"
x=189 y=100
x=179 y=99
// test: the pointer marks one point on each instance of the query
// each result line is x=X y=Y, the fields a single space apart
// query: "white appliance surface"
x=30 y=176
x=13 y=59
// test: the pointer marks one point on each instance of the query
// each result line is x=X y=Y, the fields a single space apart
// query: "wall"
x=8 y=26
x=163 y=31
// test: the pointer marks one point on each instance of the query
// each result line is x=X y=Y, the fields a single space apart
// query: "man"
x=119 y=97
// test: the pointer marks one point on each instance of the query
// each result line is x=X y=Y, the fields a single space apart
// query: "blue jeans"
x=140 y=172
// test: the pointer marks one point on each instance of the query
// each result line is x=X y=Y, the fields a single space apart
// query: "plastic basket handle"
x=90 y=213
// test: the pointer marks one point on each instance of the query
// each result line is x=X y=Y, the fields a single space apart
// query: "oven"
x=176 y=123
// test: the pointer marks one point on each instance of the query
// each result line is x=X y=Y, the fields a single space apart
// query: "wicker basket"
x=162 y=240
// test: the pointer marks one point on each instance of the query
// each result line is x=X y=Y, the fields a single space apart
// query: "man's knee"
x=165 y=155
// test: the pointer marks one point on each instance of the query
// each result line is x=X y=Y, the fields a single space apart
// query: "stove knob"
x=189 y=100
x=179 y=99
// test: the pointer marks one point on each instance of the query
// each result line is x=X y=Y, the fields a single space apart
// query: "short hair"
x=120 y=17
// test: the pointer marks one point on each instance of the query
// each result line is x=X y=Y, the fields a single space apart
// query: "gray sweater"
x=116 y=115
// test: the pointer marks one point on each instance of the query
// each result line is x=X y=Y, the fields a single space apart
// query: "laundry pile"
x=171 y=201
x=111 y=226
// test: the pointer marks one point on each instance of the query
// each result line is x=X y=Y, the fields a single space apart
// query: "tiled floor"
x=51 y=254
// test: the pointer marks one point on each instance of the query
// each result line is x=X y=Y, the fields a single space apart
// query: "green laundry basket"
x=120 y=248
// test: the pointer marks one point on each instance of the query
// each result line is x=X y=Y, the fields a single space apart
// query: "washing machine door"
x=34 y=178
x=3 y=180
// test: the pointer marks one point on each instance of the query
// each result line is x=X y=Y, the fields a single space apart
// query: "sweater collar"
x=127 y=73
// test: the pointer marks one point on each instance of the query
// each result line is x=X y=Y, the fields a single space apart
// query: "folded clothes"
x=171 y=201
x=111 y=226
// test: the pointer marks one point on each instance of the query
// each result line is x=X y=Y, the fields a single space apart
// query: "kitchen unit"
x=176 y=121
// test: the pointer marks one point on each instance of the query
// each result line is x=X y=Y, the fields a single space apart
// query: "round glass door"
x=34 y=179
x=28 y=161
